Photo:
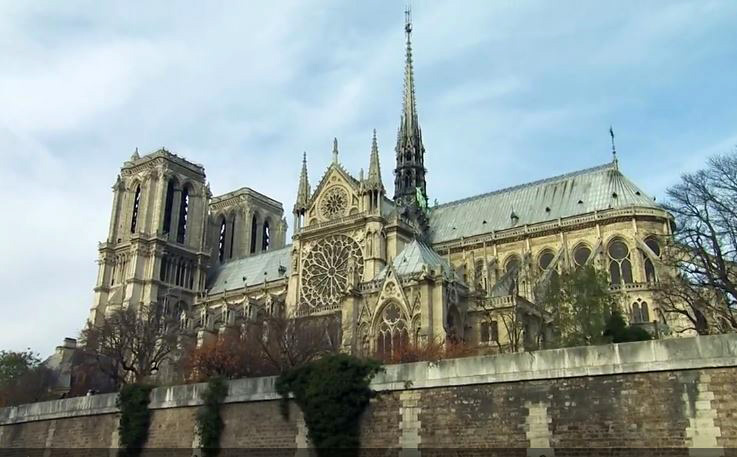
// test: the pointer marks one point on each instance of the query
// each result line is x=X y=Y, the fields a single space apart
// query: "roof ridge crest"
x=606 y=166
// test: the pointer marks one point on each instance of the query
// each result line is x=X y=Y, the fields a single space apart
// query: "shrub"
x=332 y=393
x=209 y=422
x=135 y=418
x=618 y=331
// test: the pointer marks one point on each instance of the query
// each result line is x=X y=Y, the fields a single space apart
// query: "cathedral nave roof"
x=585 y=191
x=256 y=268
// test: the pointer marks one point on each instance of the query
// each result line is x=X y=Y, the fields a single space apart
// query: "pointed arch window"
x=164 y=267
x=545 y=260
x=266 y=237
x=581 y=255
x=647 y=262
x=136 y=204
x=183 y=216
x=512 y=263
x=254 y=232
x=221 y=241
x=620 y=265
x=392 y=334
x=232 y=236
x=169 y=203
x=640 y=312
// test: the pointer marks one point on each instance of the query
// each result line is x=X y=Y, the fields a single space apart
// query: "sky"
x=509 y=91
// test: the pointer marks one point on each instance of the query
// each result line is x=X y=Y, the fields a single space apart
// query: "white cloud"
x=507 y=92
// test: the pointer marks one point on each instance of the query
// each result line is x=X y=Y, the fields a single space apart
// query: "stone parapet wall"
x=676 y=393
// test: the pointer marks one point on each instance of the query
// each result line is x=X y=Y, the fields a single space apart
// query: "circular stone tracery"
x=334 y=203
x=327 y=268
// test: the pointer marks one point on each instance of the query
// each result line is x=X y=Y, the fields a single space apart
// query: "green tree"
x=14 y=364
x=22 y=378
x=580 y=303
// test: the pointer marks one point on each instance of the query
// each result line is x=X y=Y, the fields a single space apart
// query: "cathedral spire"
x=409 y=174
x=303 y=190
x=374 y=172
x=335 y=151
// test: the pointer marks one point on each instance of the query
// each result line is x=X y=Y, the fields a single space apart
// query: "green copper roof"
x=254 y=269
x=585 y=191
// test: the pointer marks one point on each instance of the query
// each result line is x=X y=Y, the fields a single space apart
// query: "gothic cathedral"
x=390 y=270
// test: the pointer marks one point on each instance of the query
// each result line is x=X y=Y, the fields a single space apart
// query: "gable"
x=336 y=196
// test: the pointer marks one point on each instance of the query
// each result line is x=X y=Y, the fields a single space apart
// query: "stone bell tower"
x=154 y=252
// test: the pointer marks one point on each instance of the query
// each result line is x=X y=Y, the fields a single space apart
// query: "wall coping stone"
x=714 y=351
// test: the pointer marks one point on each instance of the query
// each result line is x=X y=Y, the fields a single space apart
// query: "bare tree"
x=289 y=343
x=131 y=344
x=700 y=275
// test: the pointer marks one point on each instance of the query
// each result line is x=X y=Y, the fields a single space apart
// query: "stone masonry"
x=674 y=395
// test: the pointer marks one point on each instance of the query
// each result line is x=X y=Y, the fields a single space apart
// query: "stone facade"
x=674 y=395
x=391 y=270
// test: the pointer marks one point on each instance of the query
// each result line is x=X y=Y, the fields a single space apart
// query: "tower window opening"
x=183 y=213
x=221 y=241
x=162 y=270
x=254 y=232
x=266 y=240
x=168 y=206
x=232 y=238
x=136 y=203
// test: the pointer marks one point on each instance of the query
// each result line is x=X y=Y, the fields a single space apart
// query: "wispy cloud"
x=507 y=91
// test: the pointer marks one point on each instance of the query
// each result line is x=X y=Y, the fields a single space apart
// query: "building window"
x=620 y=265
x=640 y=312
x=647 y=262
x=512 y=263
x=164 y=267
x=232 y=236
x=266 y=238
x=168 y=206
x=254 y=232
x=581 y=255
x=221 y=241
x=479 y=274
x=545 y=259
x=183 y=215
x=392 y=334
x=136 y=203
x=489 y=332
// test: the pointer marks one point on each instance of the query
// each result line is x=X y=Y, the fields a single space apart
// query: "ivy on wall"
x=209 y=422
x=332 y=393
x=135 y=418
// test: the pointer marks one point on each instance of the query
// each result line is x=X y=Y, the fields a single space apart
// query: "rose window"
x=334 y=203
x=327 y=269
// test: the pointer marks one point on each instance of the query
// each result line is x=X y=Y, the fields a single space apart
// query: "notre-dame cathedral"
x=391 y=268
